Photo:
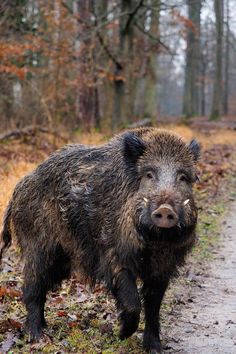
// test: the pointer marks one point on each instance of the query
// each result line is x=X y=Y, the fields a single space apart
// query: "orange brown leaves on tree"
x=186 y=24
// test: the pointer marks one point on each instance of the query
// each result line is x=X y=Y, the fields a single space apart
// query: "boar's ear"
x=195 y=149
x=133 y=148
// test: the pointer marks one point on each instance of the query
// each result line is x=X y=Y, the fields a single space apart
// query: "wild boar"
x=116 y=213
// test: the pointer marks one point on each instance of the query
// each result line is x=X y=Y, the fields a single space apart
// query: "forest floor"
x=198 y=313
x=207 y=320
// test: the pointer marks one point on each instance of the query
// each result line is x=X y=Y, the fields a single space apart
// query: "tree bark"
x=88 y=105
x=151 y=99
x=124 y=72
x=203 y=87
x=226 y=68
x=125 y=48
x=191 y=103
x=217 y=89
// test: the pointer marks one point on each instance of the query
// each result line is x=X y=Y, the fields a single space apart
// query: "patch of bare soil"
x=205 y=321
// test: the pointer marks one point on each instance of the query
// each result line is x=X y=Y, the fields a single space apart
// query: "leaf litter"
x=81 y=320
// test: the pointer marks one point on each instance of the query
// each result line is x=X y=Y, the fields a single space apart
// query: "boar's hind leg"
x=128 y=302
x=43 y=272
x=34 y=297
x=153 y=292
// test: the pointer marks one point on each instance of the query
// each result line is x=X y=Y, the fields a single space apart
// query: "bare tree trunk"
x=124 y=71
x=118 y=115
x=191 y=103
x=56 y=66
x=216 y=109
x=226 y=68
x=140 y=89
x=146 y=87
x=100 y=9
x=151 y=105
x=203 y=87
x=6 y=103
x=88 y=95
x=75 y=11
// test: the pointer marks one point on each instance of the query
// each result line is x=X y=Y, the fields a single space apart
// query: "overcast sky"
x=172 y=36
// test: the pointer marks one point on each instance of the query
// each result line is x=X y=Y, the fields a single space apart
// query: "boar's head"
x=163 y=169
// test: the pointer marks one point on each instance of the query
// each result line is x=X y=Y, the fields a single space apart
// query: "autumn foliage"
x=87 y=64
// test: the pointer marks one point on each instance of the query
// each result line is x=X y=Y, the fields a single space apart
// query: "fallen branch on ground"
x=28 y=131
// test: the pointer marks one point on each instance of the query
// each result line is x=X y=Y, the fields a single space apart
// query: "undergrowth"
x=81 y=321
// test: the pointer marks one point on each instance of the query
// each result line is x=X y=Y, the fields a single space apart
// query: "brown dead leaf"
x=72 y=324
x=14 y=324
x=9 y=292
x=9 y=324
x=61 y=314
x=58 y=300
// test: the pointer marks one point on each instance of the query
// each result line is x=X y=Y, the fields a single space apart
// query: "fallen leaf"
x=9 y=292
x=72 y=324
x=14 y=324
x=61 y=314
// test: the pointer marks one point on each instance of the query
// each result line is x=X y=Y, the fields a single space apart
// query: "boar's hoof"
x=129 y=321
x=152 y=344
x=35 y=331
x=35 y=336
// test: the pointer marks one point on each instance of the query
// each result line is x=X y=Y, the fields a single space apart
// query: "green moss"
x=208 y=230
x=209 y=222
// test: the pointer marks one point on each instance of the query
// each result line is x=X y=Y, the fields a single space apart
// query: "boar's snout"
x=165 y=216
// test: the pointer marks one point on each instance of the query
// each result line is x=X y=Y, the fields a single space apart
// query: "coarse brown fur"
x=88 y=209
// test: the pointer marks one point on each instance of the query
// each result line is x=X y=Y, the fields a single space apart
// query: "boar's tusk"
x=145 y=199
x=186 y=202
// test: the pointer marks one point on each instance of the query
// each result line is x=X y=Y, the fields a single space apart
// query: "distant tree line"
x=107 y=63
x=208 y=48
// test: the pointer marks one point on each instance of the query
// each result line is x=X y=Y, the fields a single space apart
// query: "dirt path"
x=207 y=321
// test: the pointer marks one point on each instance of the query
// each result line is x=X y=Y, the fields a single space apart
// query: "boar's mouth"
x=179 y=233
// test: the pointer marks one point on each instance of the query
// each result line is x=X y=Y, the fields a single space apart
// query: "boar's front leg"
x=125 y=291
x=153 y=292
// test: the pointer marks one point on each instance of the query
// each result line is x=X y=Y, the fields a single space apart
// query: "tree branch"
x=156 y=39
x=104 y=46
x=132 y=15
x=109 y=54
x=28 y=131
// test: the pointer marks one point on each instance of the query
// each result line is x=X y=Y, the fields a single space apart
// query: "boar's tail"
x=6 y=237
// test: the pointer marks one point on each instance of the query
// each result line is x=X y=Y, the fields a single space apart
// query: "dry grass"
x=8 y=180
x=218 y=137
x=92 y=138
x=222 y=136
x=15 y=170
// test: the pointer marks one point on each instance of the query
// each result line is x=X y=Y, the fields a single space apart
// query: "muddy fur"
x=88 y=209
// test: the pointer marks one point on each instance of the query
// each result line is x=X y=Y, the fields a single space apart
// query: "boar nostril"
x=165 y=216
x=170 y=217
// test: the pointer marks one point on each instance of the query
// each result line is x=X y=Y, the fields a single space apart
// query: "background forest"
x=106 y=64
x=80 y=70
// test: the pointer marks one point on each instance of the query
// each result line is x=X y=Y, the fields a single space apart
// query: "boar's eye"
x=150 y=175
x=183 y=178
